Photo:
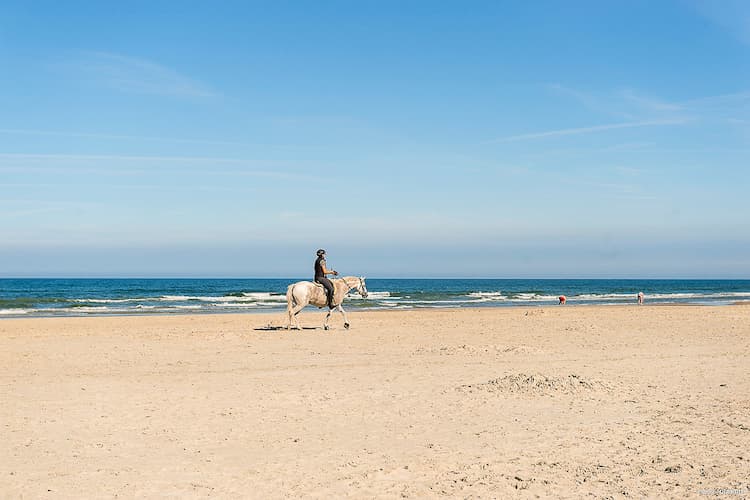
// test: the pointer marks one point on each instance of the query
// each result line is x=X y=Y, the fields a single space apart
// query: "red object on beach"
x=562 y=299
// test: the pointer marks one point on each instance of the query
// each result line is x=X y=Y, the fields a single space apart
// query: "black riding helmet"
x=321 y=252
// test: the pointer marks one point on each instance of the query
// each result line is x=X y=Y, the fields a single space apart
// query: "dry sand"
x=481 y=403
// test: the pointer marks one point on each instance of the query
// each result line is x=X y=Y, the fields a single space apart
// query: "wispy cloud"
x=592 y=101
x=178 y=140
x=587 y=130
x=620 y=190
x=628 y=171
x=730 y=108
x=730 y=99
x=89 y=135
x=136 y=75
x=731 y=15
x=24 y=213
x=129 y=158
x=649 y=104
x=83 y=163
x=13 y=208
x=632 y=108
x=637 y=106
x=625 y=103
x=643 y=111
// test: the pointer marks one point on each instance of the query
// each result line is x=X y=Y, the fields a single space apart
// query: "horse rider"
x=320 y=275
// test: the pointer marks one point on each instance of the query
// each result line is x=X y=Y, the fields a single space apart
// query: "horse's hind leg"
x=293 y=315
x=290 y=303
x=293 y=307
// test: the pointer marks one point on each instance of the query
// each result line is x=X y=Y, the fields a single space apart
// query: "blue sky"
x=409 y=139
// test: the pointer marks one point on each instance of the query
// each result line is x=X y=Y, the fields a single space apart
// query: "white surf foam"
x=370 y=295
x=488 y=295
x=246 y=297
x=90 y=309
x=236 y=305
x=12 y=312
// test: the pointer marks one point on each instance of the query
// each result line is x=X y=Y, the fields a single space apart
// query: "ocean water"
x=85 y=297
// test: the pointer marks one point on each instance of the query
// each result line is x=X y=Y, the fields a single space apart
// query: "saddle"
x=323 y=290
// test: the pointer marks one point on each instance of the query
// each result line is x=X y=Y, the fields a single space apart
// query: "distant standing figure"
x=562 y=300
x=640 y=298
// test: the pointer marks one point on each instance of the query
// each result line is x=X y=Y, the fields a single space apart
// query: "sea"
x=102 y=297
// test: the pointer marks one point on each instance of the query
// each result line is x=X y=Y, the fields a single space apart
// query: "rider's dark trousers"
x=329 y=288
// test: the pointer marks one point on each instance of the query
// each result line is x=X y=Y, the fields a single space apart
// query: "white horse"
x=302 y=293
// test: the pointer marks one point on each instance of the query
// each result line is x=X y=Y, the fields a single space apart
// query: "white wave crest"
x=265 y=296
x=92 y=309
x=245 y=297
x=112 y=301
x=488 y=295
x=12 y=312
x=236 y=305
x=370 y=295
x=604 y=296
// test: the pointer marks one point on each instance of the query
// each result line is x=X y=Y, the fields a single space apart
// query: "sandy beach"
x=561 y=402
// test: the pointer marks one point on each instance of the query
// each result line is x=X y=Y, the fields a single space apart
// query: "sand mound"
x=520 y=349
x=538 y=384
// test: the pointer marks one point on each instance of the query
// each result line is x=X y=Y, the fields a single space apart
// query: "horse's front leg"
x=343 y=313
x=325 y=322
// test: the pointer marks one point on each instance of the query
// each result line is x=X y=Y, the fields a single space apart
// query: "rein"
x=347 y=284
x=350 y=286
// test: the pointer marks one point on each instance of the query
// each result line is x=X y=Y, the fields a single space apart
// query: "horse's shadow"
x=271 y=328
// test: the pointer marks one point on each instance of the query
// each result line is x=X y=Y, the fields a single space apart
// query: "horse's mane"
x=348 y=279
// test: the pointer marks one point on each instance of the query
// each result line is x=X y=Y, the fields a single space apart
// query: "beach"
x=554 y=401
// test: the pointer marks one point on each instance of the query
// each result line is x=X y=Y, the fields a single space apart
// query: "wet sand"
x=564 y=401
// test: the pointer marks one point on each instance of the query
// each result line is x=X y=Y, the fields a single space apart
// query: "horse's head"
x=361 y=287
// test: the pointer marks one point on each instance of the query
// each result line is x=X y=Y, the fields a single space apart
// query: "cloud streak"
x=731 y=99
x=84 y=157
x=733 y=16
x=650 y=104
x=592 y=102
x=136 y=75
x=87 y=135
x=587 y=130
x=217 y=166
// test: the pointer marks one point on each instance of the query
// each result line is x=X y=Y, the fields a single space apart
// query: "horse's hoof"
x=346 y=325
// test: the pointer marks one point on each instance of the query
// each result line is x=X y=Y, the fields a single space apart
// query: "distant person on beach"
x=562 y=300
x=640 y=298
x=320 y=275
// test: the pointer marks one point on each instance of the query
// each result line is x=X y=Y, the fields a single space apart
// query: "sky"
x=583 y=139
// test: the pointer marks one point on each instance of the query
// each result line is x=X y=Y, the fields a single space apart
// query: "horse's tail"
x=290 y=304
x=290 y=298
